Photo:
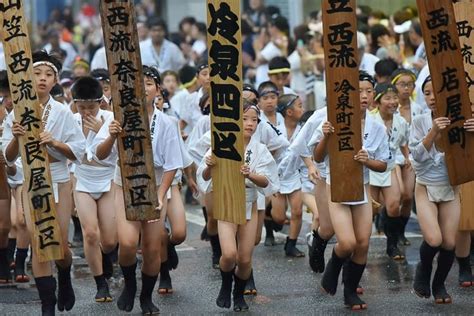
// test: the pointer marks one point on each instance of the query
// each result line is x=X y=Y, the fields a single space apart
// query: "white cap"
x=402 y=28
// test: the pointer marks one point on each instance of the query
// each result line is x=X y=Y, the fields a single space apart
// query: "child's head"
x=279 y=71
x=187 y=76
x=366 y=90
x=404 y=80
x=87 y=95
x=5 y=96
x=251 y=118
x=386 y=98
x=203 y=75
x=170 y=81
x=66 y=81
x=290 y=106
x=249 y=93
x=46 y=69
x=80 y=67
x=384 y=68
x=58 y=93
x=152 y=82
x=268 y=97
x=428 y=92
x=102 y=75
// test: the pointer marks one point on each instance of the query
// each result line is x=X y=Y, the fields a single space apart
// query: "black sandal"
x=250 y=288
x=441 y=296
x=351 y=278
x=165 y=286
x=421 y=285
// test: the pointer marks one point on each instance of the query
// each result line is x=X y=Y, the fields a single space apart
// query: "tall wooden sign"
x=128 y=92
x=342 y=86
x=464 y=13
x=449 y=83
x=225 y=59
x=46 y=235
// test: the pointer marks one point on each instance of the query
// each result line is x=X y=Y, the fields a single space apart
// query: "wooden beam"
x=129 y=106
x=225 y=59
x=46 y=235
x=341 y=57
x=445 y=61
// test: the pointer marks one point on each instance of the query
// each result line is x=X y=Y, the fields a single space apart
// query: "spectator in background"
x=158 y=51
x=416 y=39
x=299 y=70
x=56 y=44
x=199 y=36
x=183 y=38
x=254 y=14
x=367 y=60
x=248 y=53
x=278 y=31
x=142 y=30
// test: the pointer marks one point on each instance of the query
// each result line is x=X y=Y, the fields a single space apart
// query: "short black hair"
x=4 y=83
x=365 y=76
x=86 y=88
x=57 y=91
x=415 y=24
x=279 y=62
x=385 y=67
x=265 y=87
x=156 y=21
x=186 y=20
x=202 y=28
x=152 y=72
x=101 y=74
x=285 y=102
x=306 y=115
x=42 y=55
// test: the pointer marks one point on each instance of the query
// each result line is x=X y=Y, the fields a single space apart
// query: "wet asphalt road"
x=285 y=286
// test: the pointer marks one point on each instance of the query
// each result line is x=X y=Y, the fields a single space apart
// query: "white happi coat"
x=266 y=134
x=64 y=128
x=94 y=175
x=300 y=145
x=374 y=141
x=429 y=165
x=165 y=145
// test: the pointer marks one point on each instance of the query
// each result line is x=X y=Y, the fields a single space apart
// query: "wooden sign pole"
x=45 y=235
x=128 y=92
x=449 y=83
x=341 y=57
x=225 y=59
x=464 y=12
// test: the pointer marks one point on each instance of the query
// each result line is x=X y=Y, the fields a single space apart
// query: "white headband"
x=47 y=63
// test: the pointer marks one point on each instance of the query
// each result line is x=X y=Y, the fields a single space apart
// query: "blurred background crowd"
x=389 y=37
